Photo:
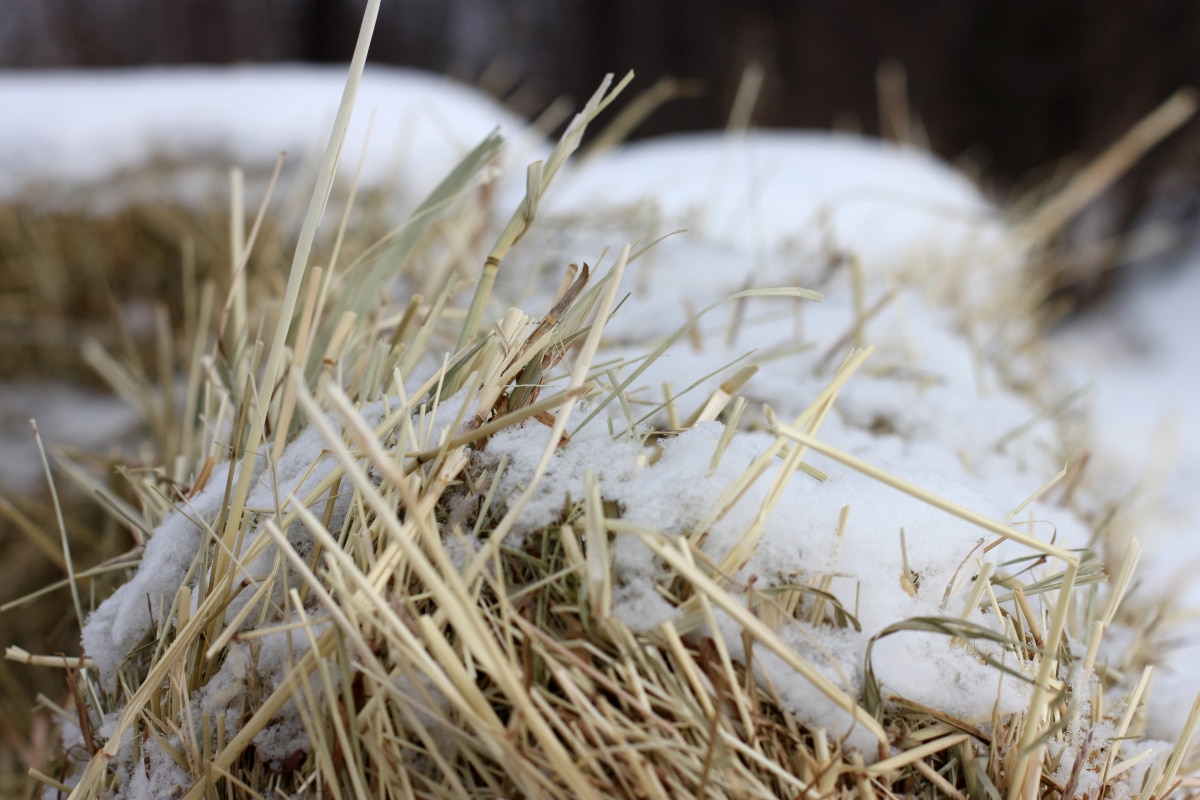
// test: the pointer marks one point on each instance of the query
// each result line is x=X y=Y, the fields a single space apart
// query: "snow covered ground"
x=1138 y=353
x=882 y=233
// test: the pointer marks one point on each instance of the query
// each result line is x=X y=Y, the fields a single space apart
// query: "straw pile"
x=334 y=597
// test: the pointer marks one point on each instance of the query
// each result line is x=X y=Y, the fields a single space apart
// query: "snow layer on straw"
x=784 y=209
x=125 y=618
x=800 y=542
x=806 y=192
x=83 y=127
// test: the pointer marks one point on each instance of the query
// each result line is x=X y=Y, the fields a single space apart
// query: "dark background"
x=1014 y=85
x=1028 y=80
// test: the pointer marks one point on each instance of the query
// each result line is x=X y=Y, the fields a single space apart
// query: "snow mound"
x=896 y=209
x=84 y=127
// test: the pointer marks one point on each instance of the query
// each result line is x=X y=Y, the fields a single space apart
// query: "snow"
x=75 y=128
x=756 y=191
x=1138 y=355
x=57 y=409
x=125 y=618
x=863 y=222
x=937 y=400
x=799 y=542
x=814 y=195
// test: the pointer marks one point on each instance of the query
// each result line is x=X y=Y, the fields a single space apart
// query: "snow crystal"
x=281 y=741
x=156 y=777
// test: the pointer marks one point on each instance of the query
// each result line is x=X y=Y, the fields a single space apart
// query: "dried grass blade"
x=701 y=582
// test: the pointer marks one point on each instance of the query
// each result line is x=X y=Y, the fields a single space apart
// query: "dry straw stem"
x=746 y=98
x=537 y=181
x=1131 y=707
x=68 y=562
x=811 y=416
x=316 y=208
x=578 y=377
x=1029 y=760
x=22 y=656
x=636 y=111
x=260 y=398
x=1086 y=185
x=1183 y=748
x=678 y=556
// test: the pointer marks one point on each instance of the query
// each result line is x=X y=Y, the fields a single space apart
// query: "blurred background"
x=1012 y=84
x=1016 y=92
